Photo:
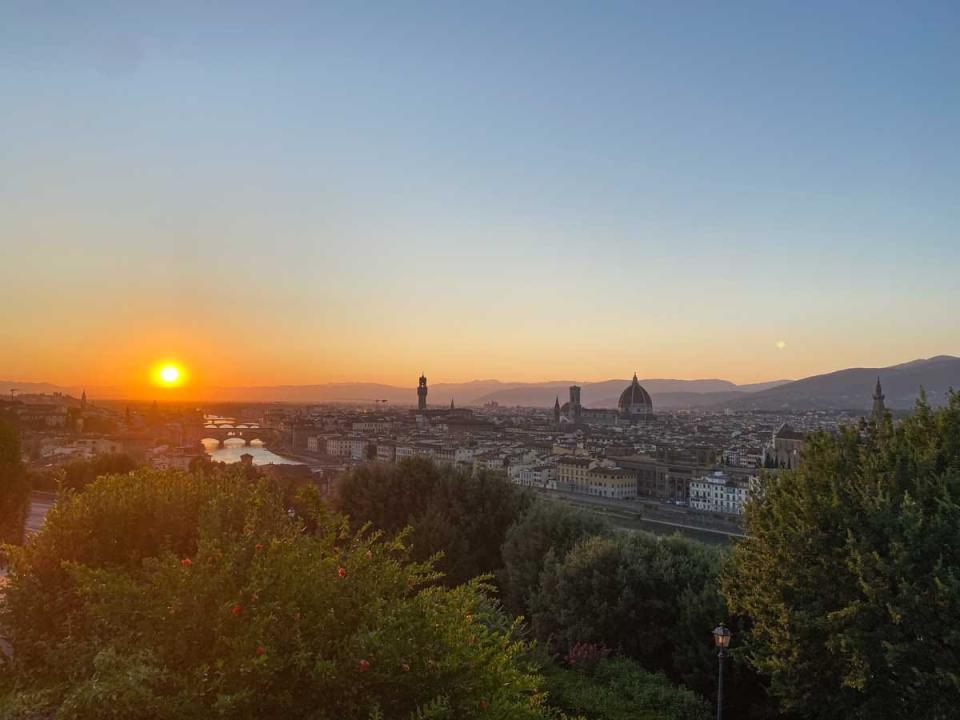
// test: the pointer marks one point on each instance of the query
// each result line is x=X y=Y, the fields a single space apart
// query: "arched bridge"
x=223 y=431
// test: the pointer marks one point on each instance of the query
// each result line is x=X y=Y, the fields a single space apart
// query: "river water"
x=233 y=449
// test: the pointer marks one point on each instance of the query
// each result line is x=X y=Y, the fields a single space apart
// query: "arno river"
x=233 y=449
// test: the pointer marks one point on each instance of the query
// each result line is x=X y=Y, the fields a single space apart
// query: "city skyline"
x=843 y=388
x=348 y=194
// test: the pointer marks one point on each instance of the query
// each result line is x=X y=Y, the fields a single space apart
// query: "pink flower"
x=186 y=562
x=342 y=571
x=363 y=666
x=237 y=609
x=259 y=547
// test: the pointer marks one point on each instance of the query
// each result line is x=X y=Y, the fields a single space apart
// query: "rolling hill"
x=852 y=389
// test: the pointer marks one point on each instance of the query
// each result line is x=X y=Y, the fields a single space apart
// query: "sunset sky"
x=280 y=193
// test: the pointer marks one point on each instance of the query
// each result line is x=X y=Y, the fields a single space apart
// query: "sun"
x=168 y=374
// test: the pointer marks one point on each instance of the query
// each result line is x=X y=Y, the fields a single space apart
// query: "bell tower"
x=879 y=409
x=575 y=407
x=422 y=393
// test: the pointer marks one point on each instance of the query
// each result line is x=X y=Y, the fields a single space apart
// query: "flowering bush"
x=165 y=595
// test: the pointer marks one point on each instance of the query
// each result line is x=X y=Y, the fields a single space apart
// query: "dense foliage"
x=651 y=599
x=852 y=575
x=463 y=515
x=167 y=595
x=77 y=474
x=14 y=485
x=545 y=533
x=619 y=689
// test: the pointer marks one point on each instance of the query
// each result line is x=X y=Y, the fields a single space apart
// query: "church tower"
x=556 y=412
x=83 y=401
x=879 y=409
x=422 y=393
x=575 y=407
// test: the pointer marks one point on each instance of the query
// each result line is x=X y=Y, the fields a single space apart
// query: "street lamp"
x=721 y=638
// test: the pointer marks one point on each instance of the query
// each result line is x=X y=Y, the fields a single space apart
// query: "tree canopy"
x=160 y=594
x=14 y=485
x=546 y=532
x=851 y=577
x=77 y=474
x=652 y=599
x=463 y=515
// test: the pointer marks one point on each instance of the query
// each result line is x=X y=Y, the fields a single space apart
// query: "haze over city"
x=288 y=194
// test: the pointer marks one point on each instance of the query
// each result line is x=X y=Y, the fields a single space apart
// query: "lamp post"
x=721 y=638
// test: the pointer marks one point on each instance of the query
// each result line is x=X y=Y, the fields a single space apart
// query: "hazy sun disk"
x=169 y=375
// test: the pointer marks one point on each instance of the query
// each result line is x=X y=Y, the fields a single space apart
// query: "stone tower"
x=879 y=409
x=556 y=412
x=575 y=406
x=422 y=393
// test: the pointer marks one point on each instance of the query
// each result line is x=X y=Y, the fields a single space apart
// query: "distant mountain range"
x=852 y=389
x=849 y=389
x=666 y=393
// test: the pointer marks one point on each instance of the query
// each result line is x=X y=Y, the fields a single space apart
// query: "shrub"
x=166 y=595
x=547 y=529
x=619 y=689
x=463 y=515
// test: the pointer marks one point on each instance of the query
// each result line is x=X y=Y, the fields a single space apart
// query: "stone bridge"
x=221 y=432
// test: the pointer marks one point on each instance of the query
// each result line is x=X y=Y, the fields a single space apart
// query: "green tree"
x=852 y=573
x=80 y=473
x=162 y=595
x=619 y=689
x=461 y=514
x=14 y=485
x=77 y=474
x=547 y=529
x=651 y=599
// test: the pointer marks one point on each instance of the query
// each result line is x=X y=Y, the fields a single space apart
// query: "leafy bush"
x=620 y=689
x=165 y=595
x=463 y=515
x=547 y=530
x=652 y=599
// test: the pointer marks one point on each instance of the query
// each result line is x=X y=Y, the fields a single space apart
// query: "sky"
x=285 y=193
